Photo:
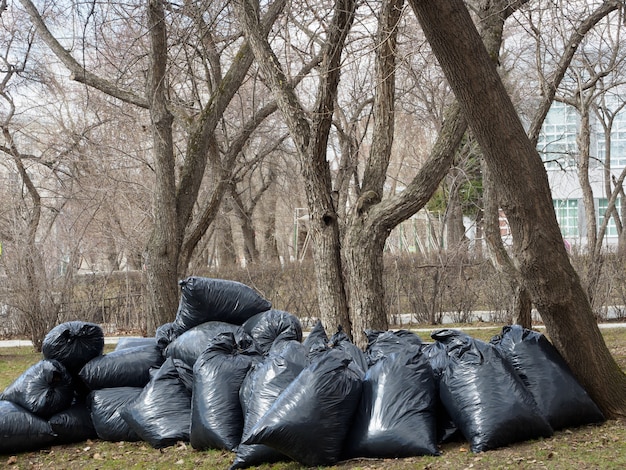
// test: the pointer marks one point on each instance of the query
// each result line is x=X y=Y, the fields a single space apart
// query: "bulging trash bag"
x=382 y=343
x=128 y=367
x=316 y=342
x=260 y=389
x=396 y=416
x=132 y=342
x=216 y=413
x=161 y=415
x=437 y=354
x=73 y=344
x=438 y=359
x=273 y=325
x=43 y=389
x=341 y=341
x=105 y=405
x=73 y=425
x=206 y=299
x=188 y=346
x=484 y=396
x=21 y=430
x=560 y=397
x=310 y=420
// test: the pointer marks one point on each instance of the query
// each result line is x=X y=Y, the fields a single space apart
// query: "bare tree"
x=310 y=135
x=549 y=82
x=176 y=230
x=520 y=177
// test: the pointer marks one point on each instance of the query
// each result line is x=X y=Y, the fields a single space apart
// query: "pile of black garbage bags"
x=232 y=373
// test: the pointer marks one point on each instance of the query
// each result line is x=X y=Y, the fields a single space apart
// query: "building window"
x=567 y=216
x=611 y=229
x=557 y=140
x=618 y=143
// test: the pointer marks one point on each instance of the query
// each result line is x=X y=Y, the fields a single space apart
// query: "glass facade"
x=618 y=142
x=567 y=216
x=611 y=229
x=557 y=140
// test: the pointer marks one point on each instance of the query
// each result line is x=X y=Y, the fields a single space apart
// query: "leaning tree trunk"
x=522 y=182
x=500 y=259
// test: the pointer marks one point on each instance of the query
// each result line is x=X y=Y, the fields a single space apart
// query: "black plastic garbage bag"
x=273 y=325
x=561 y=398
x=206 y=299
x=260 y=389
x=105 y=405
x=396 y=416
x=43 y=389
x=73 y=344
x=128 y=367
x=316 y=342
x=341 y=341
x=165 y=334
x=310 y=420
x=188 y=346
x=133 y=342
x=438 y=359
x=485 y=397
x=216 y=413
x=383 y=343
x=161 y=415
x=73 y=425
x=21 y=430
x=437 y=354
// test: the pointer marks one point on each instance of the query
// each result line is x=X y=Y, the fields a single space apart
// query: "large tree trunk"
x=523 y=186
x=493 y=14
x=311 y=138
x=363 y=248
x=363 y=260
x=163 y=247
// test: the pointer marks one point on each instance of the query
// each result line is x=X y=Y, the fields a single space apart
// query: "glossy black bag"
x=161 y=414
x=273 y=325
x=396 y=416
x=310 y=420
x=73 y=425
x=216 y=413
x=205 y=299
x=260 y=389
x=128 y=367
x=106 y=405
x=73 y=344
x=560 y=397
x=484 y=396
x=44 y=389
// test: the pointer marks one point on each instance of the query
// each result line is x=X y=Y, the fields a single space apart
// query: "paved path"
x=22 y=343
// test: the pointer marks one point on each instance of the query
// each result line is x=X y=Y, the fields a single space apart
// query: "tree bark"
x=311 y=138
x=493 y=14
x=163 y=248
x=363 y=249
x=583 y=141
x=521 y=180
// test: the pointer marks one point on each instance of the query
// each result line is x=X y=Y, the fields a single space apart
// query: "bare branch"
x=77 y=71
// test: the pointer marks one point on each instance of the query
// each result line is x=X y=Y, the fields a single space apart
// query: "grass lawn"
x=587 y=447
